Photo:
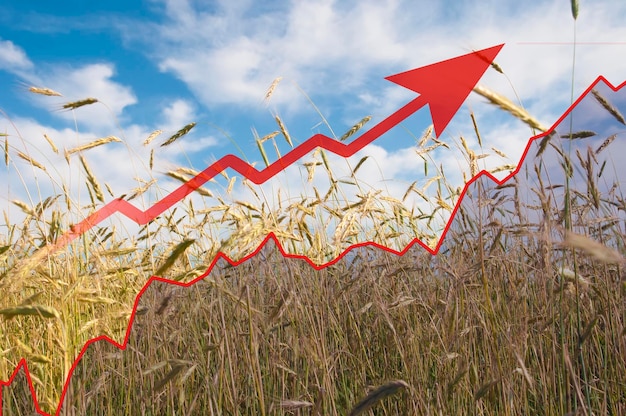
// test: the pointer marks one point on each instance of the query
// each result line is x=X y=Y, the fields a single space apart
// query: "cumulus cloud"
x=86 y=81
x=13 y=58
x=228 y=53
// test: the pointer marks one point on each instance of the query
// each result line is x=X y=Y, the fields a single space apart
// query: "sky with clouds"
x=161 y=64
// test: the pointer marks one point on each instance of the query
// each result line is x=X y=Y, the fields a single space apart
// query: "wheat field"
x=522 y=311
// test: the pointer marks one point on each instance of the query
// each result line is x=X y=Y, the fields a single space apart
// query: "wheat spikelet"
x=283 y=130
x=480 y=142
x=92 y=179
x=593 y=248
x=579 y=135
x=231 y=183
x=425 y=136
x=292 y=405
x=180 y=133
x=31 y=161
x=271 y=89
x=502 y=168
x=608 y=107
x=377 y=395
x=408 y=191
x=269 y=136
x=24 y=207
x=484 y=388
x=109 y=190
x=66 y=194
x=44 y=91
x=178 y=176
x=500 y=153
x=544 y=143
x=355 y=128
x=6 y=151
x=472 y=158
x=442 y=203
x=37 y=310
x=176 y=252
x=172 y=374
x=592 y=190
x=606 y=142
x=310 y=167
x=140 y=190
x=248 y=205
x=91 y=145
x=259 y=144
x=51 y=143
x=428 y=149
x=508 y=106
x=492 y=63
x=152 y=136
x=465 y=146
x=80 y=103
x=191 y=172
x=574 y=4
x=441 y=143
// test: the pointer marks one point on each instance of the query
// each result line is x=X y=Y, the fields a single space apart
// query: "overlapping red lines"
x=244 y=169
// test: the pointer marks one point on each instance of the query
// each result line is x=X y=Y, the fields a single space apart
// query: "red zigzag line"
x=321 y=139
x=235 y=163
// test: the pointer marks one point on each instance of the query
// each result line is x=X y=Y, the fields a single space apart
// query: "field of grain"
x=522 y=311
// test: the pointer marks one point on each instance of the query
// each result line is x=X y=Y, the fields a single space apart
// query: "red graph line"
x=235 y=163
x=444 y=86
x=364 y=138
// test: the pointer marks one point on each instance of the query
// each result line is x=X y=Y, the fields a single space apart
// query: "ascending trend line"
x=444 y=86
x=221 y=256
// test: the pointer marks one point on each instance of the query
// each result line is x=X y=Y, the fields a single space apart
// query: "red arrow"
x=444 y=86
x=447 y=84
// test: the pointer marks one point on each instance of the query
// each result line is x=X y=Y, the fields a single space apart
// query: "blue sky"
x=161 y=64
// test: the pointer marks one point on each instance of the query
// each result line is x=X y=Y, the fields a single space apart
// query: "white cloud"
x=339 y=51
x=13 y=58
x=177 y=114
x=89 y=80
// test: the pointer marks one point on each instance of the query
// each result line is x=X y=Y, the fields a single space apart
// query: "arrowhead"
x=446 y=84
